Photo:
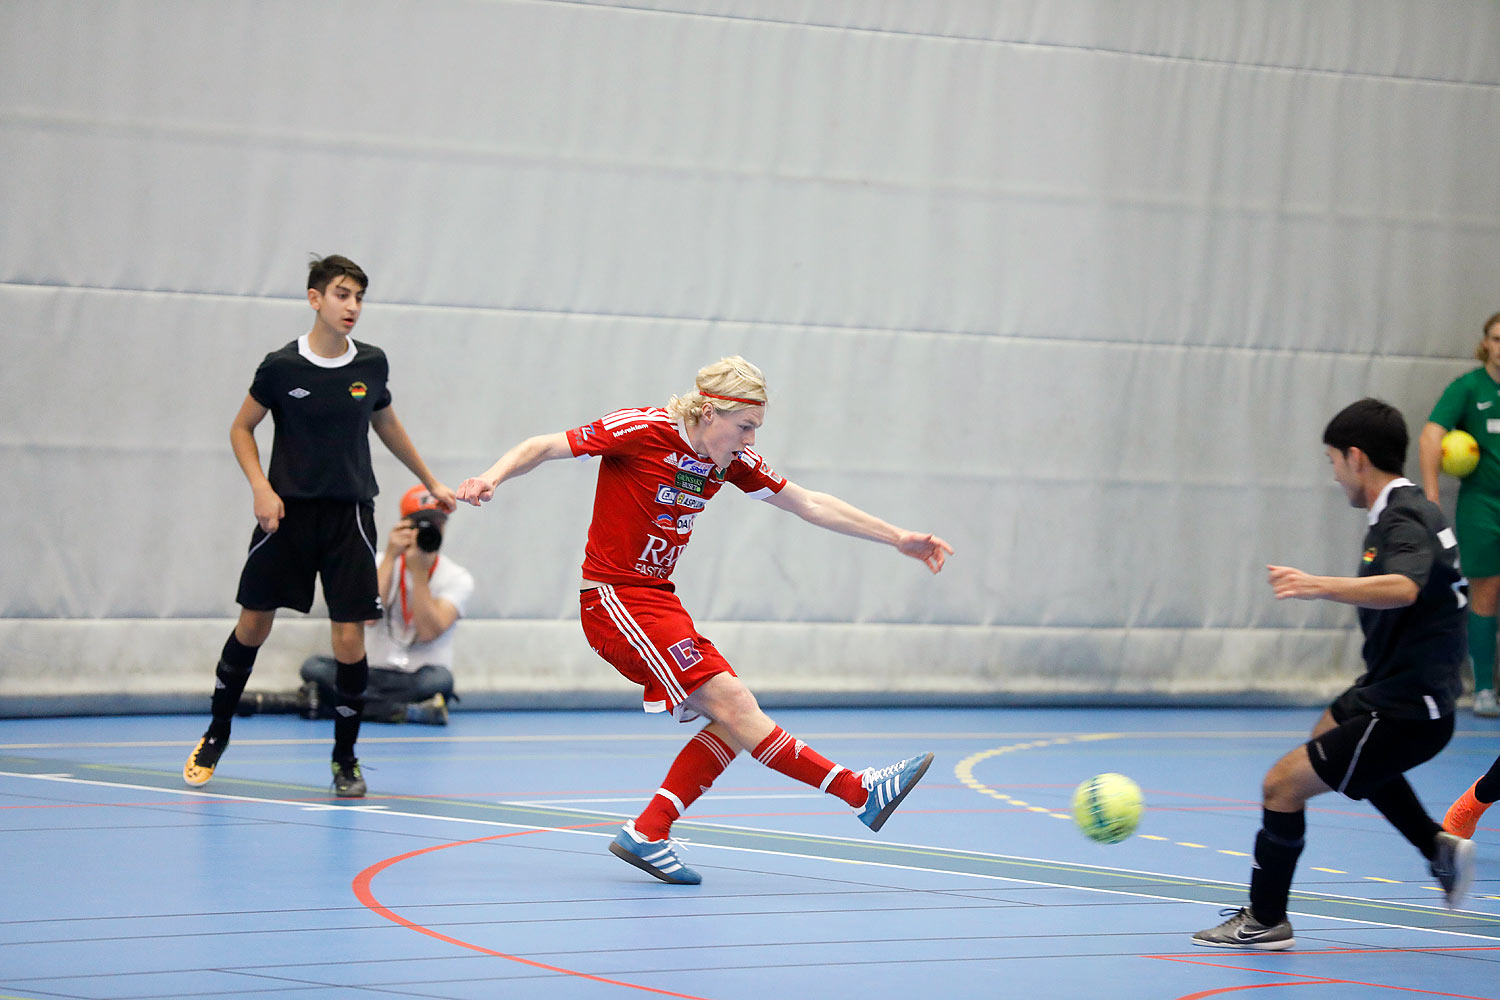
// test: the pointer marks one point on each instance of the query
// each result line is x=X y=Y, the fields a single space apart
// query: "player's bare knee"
x=254 y=627
x=348 y=640
x=1278 y=792
x=1484 y=595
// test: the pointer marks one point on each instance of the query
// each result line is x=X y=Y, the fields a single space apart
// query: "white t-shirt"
x=392 y=641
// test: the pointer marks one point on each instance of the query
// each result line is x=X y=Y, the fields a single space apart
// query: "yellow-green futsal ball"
x=1460 y=453
x=1107 y=807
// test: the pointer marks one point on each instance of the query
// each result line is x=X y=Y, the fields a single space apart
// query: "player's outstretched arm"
x=517 y=462
x=828 y=511
x=1389 y=590
x=393 y=434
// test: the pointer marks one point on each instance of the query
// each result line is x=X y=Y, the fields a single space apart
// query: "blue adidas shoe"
x=888 y=786
x=655 y=857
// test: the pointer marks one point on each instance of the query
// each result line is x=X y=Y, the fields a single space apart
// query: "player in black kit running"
x=315 y=509
x=1411 y=598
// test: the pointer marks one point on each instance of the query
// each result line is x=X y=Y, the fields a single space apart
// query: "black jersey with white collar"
x=1414 y=654
x=322 y=408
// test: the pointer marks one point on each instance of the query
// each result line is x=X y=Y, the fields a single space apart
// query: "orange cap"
x=417 y=498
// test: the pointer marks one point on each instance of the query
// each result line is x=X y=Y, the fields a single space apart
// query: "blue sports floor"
x=477 y=866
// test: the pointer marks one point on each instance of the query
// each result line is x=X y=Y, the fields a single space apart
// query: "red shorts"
x=646 y=635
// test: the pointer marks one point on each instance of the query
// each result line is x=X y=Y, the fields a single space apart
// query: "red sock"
x=795 y=759
x=703 y=759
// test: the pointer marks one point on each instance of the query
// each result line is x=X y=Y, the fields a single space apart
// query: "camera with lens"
x=429 y=525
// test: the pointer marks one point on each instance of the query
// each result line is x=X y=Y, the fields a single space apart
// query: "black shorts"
x=1365 y=751
x=334 y=538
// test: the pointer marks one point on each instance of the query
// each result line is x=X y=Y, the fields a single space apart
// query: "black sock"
x=1398 y=803
x=1277 y=848
x=1487 y=788
x=230 y=677
x=349 y=707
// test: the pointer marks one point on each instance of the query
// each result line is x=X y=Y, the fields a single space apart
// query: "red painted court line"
x=362 y=891
x=1306 y=979
x=1258 y=986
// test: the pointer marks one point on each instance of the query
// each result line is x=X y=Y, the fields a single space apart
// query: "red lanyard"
x=405 y=613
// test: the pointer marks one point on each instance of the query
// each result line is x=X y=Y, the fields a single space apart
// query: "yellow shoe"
x=432 y=712
x=202 y=761
x=1463 y=815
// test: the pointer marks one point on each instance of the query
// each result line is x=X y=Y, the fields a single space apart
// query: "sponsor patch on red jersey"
x=651 y=487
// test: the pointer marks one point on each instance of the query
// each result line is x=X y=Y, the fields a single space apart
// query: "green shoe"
x=348 y=782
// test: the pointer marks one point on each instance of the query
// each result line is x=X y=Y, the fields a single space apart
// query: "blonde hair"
x=731 y=376
x=1481 y=354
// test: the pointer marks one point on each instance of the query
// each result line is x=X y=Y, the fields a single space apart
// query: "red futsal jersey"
x=652 y=486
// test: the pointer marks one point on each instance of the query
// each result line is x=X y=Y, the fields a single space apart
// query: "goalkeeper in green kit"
x=1472 y=403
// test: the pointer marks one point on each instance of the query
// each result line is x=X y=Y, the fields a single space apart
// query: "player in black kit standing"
x=315 y=510
x=1411 y=598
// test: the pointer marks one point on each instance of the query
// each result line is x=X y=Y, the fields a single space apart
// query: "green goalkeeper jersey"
x=1472 y=403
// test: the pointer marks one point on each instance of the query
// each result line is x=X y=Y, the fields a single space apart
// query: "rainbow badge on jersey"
x=1370 y=554
x=358 y=390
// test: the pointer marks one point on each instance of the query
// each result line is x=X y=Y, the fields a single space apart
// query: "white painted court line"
x=699 y=845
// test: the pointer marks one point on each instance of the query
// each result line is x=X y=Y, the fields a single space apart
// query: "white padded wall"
x=1074 y=284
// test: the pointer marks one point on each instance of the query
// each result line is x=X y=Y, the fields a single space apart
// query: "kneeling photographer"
x=410 y=649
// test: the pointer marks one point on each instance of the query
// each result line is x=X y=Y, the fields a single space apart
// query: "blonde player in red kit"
x=659 y=467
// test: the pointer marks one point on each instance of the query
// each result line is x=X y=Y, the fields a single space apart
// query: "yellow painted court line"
x=916 y=850
x=964 y=770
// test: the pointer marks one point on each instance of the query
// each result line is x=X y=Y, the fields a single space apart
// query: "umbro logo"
x=1485 y=405
x=299 y=393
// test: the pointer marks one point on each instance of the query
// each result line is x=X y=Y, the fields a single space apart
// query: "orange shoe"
x=1463 y=815
x=202 y=761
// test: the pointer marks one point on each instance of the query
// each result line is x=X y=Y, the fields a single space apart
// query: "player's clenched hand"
x=1289 y=582
x=269 y=510
x=929 y=548
x=444 y=497
x=474 y=490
